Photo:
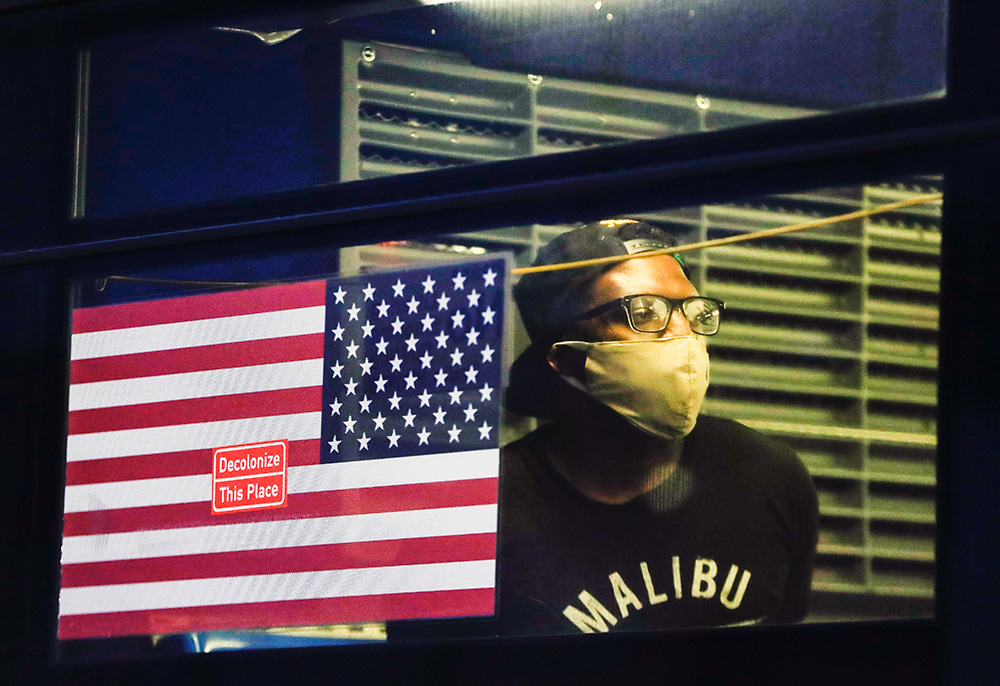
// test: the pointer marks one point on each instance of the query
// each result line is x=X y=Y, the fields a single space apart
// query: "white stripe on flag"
x=293 y=533
x=263 y=588
x=244 y=327
x=414 y=469
x=214 y=382
x=139 y=493
x=169 y=439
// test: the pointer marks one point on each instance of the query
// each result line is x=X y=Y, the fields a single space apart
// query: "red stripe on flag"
x=162 y=465
x=300 y=506
x=430 y=604
x=198 y=358
x=192 y=308
x=407 y=551
x=196 y=410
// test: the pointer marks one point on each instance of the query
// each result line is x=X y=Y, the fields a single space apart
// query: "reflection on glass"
x=222 y=112
x=829 y=343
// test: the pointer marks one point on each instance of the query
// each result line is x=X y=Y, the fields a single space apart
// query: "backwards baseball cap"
x=549 y=301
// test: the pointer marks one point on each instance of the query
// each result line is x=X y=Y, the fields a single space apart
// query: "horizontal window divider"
x=513 y=191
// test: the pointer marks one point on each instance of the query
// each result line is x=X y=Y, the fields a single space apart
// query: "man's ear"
x=568 y=362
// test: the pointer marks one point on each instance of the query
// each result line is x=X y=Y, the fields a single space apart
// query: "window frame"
x=956 y=135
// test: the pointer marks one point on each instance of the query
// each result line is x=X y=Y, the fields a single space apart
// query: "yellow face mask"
x=657 y=385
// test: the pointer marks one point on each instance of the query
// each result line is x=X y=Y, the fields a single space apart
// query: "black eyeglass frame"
x=674 y=303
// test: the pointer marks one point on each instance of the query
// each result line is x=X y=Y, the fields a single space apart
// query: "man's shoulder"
x=527 y=446
x=744 y=447
x=719 y=432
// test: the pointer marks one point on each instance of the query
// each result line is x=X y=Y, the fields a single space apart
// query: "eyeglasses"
x=651 y=313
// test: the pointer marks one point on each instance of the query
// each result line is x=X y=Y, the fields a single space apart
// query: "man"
x=629 y=511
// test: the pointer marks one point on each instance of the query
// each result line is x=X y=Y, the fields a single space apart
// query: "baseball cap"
x=549 y=301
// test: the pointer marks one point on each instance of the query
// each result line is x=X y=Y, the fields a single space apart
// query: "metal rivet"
x=702 y=102
x=534 y=79
x=368 y=53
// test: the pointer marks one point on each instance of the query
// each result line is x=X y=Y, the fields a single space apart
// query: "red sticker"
x=249 y=477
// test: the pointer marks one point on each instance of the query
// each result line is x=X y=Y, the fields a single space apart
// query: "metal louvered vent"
x=406 y=109
x=830 y=336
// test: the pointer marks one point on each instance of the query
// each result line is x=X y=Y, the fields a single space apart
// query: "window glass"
x=222 y=112
x=801 y=486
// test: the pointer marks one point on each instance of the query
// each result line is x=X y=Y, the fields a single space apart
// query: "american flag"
x=385 y=388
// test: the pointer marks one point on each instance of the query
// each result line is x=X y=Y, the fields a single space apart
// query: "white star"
x=363 y=442
x=394 y=401
x=335 y=407
x=394 y=439
x=470 y=413
x=442 y=339
x=472 y=336
x=474 y=298
x=487 y=354
x=490 y=277
x=455 y=395
x=353 y=312
x=366 y=367
x=425 y=399
x=337 y=368
x=484 y=431
x=440 y=377
x=369 y=292
x=381 y=345
x=380 y=384
x=456 y=320
x=397 y=326
x=408 y=418
x=486 y=393
x=439 y=416
x=428 y=284
x=366 y=404
x=488 y=315
x=411 y=343
x=351 y=385
x=423 y=435
x=427 y=321
x=335 y=445
x=349 y=425
x=396 y=363
x=456 y=357
x=338 y=333
x=379 y=422
x=397 y=288
x=459 y=282
x=338 y=295
x=367 y=329
x=352 y=349
x=410 y=381
x=470 y=374
x=412 y=305
x=443 y=302
x=453 y=434
x=383 y=309
x=425 y=360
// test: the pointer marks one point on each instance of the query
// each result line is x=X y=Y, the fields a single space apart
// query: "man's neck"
x=611 y=462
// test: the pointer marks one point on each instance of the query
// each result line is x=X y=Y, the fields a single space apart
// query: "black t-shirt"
x=729 y=538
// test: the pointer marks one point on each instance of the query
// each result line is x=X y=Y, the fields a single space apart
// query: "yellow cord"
x=813 y=224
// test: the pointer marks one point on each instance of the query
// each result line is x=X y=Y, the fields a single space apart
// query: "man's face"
x=659 y=275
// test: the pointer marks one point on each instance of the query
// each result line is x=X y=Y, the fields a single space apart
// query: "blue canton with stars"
x=412 y=362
